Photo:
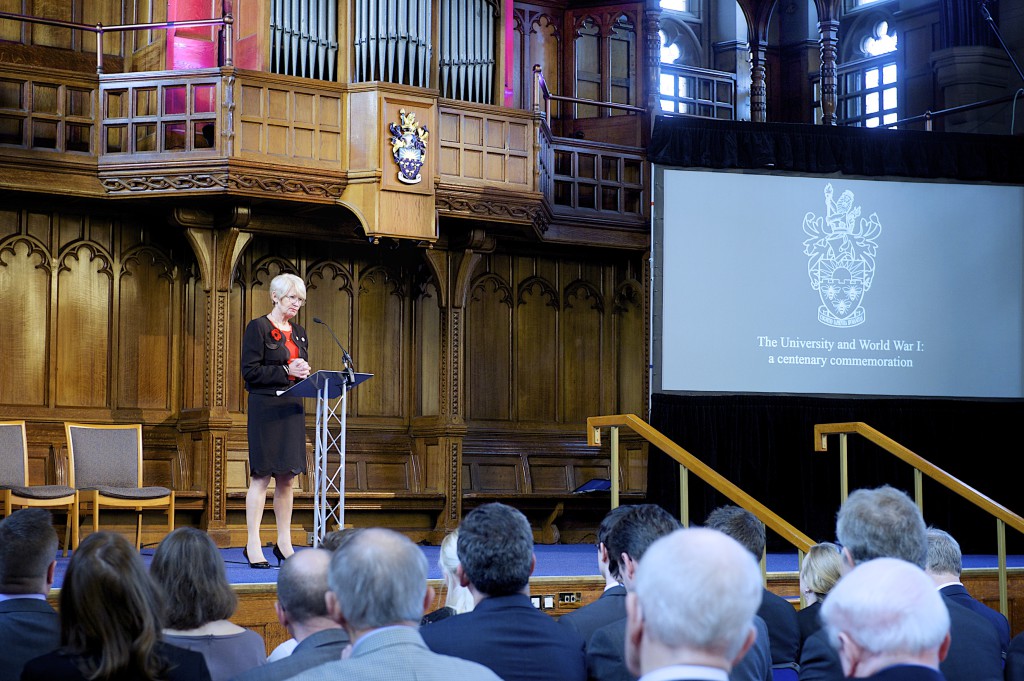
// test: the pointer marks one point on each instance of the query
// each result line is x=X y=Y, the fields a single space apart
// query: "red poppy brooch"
x=275 y=334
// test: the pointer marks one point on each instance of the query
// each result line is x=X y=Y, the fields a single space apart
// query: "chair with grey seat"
x=15 y=492
x=106 y=470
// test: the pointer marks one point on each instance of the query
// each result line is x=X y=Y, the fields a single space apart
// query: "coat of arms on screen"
x=841 y=258
x=408 y=146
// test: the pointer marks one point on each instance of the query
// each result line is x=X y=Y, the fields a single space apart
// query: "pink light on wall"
x=510 y=52
x=196 y=47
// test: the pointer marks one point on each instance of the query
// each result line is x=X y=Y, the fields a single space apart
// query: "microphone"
x=345 y=357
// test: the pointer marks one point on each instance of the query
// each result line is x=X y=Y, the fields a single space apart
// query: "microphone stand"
x=987 y=15
x=345 y=357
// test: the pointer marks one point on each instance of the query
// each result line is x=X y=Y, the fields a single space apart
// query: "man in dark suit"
x=885 y=523
x=628 y=540
x=944 y=565
x=777 y=612
x=29 y=626
x=888 y=621
x=504 y=631
x=611 y=605
x=690 y=613
x=302 y=609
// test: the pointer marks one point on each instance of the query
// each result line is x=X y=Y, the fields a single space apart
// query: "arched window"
x=684 y=85
x=868 y=92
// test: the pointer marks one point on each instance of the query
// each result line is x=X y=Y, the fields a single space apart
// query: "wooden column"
x=758 y=83
x=453 y=267
x=218 y=244
x=829 y=31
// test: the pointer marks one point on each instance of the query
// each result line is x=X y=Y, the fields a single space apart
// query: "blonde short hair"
x=283 y=284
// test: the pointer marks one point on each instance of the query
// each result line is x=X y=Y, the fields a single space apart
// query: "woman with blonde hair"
x=274 y=356
x=110 y=622
x=189 y=569
x=822 y=568
x=457 y=598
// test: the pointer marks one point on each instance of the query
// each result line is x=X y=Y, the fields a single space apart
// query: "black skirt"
x=277 y=435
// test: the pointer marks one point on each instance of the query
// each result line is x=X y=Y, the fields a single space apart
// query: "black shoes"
x=261 y=565
x=280 y=556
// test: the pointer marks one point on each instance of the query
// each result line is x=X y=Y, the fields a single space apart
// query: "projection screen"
x=767 y=283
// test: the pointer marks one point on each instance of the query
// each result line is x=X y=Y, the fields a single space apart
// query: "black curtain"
x=765 y=444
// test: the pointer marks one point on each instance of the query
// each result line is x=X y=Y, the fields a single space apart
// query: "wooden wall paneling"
x=381 y=342
x=52 y=36
x=108 y=13
x=146 y=329
x=427 y=338
x=630 y=346
x=537 y=310
x=83 y=331
x=25 y=278
x=582 y=330
x=329 y=295
x=489 y=348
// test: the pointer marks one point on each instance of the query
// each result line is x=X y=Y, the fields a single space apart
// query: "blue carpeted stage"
x=558 y=560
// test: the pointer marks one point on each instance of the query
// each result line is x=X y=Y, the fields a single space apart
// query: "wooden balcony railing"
x=1002 y=515
x=98 y=29
x=687 y=463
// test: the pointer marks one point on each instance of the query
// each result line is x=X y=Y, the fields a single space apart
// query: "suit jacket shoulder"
x=606 y=653
x=783 y=627
x=609 y=607
x=323 y=646
x=29 y=627
x=394 y=654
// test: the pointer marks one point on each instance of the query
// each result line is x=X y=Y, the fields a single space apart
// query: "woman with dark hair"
x=189 y=569
x=110 y=619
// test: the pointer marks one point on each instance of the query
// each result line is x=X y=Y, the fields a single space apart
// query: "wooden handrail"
x=688 y=461
x=823 y=430
x=1003 y=515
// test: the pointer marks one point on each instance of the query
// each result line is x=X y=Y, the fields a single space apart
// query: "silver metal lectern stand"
x=330 y=388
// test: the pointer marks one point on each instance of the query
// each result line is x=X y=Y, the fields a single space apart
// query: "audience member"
x=378 y=592
x=885 y=523
x=627 y=542
x=504 y=631
x=110 y=622
x=301 y=608
x=777 y=612
x=332 y=540
x=29 y=625
x=944 y=565
x=690 y=613
x=887 y=621
x=611 y=605
x=190 y=570
x=1015 y=659
x=457 y=598
x=821 y=569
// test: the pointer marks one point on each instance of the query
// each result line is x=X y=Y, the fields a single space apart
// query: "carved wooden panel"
x=489 y=357
x=484 y=148
x=146 y=320
x=536 y=317
x=381 y=342
x=25 y=275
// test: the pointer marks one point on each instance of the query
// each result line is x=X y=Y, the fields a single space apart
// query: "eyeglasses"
x=294 y=299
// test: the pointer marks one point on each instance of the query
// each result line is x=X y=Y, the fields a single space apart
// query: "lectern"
x=331 y=416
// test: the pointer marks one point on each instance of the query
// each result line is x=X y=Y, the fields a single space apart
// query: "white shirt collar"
x=686 y=671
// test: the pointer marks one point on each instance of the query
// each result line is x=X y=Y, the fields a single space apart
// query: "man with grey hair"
x=378 y=592
x=29 y=626
x=691 y=612
x=302 y=609
x=944 y=565
x=504 y=631
x=885 y=523
x=887 y=622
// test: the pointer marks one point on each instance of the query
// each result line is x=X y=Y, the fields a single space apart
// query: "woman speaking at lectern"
x=274 y=357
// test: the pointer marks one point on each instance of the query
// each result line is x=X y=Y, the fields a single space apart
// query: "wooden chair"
x=15 y=492
x=106 y=470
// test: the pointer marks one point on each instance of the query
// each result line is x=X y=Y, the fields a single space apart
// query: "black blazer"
x=974 y=653
x=959 y=594
x=783 y=627
x=609 y=607
x=29 y=627
x=515 y=640
x=185 y=665
x=264 y=357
